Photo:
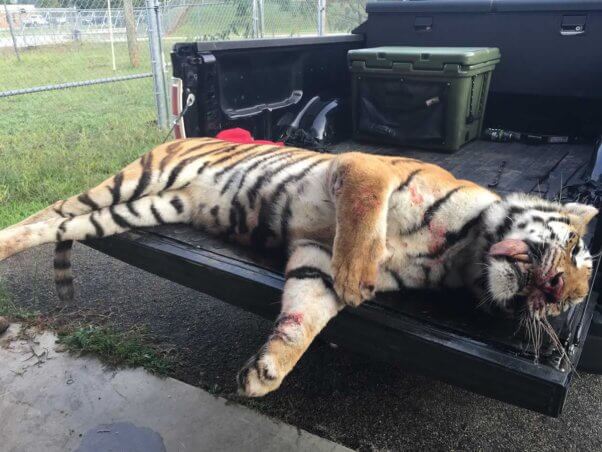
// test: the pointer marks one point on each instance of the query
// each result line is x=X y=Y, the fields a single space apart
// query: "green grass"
x=116 y=348
x=67 y=63
x=56 y=144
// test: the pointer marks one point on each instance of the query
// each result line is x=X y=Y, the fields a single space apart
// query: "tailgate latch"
x=423 y=24
x=572 y=25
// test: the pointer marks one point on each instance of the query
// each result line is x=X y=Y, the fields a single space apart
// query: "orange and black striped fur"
x=353 y=224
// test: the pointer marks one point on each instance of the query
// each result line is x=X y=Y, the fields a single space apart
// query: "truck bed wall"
x=536 y=58
x=546 y=82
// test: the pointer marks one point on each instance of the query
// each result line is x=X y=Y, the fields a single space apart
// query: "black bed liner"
x=440 y=334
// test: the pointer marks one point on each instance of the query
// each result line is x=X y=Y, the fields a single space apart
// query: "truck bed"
x=441 y=334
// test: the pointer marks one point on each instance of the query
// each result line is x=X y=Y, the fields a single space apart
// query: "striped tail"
x=63 y=277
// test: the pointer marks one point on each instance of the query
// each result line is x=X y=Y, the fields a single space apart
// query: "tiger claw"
x=355 y=277
x=258 y=377
x=354 y=283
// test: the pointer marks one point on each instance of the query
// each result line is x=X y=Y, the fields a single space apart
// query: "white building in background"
x=18 y=12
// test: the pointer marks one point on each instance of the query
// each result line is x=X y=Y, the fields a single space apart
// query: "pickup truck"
x=548 y=83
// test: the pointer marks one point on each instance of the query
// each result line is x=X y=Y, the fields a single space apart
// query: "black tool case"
x=549 y=47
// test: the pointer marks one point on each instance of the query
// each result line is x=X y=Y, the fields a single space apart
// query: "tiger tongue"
x=513 y=248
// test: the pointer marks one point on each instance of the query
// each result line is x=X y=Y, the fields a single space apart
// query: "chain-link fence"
x=210 y=20
x=46 y=48
x=101 y=40
x=58 y=44
x=76 y=98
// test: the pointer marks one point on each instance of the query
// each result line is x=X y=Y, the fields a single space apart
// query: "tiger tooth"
x=523 y=257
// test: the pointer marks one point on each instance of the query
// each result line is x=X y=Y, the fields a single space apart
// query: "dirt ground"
x=332 y=392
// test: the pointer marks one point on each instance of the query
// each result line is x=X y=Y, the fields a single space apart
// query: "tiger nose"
x=554 y=285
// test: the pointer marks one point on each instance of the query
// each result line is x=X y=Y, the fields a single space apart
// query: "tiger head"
x=535 y=258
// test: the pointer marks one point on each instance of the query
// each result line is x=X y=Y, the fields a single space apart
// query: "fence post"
x=111 y=34
x=321 y=17
x=254 y=18
x=156 y=56
x=130 y=31
x=9 y=19
x=261 y=18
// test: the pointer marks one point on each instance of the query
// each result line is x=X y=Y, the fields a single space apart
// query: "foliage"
x=116 y=348
x=344 y=15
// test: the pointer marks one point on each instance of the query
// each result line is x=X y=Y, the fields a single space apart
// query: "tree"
x=130 y=29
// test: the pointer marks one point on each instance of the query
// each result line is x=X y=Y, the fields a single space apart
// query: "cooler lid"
x=424 y=57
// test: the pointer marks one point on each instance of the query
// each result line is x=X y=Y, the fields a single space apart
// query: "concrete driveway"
x=54 y=402
x=332 y=393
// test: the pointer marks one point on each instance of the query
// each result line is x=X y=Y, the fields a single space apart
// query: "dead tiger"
x=353 y=224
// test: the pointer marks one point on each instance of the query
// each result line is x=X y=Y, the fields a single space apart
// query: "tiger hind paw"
x=259 y=376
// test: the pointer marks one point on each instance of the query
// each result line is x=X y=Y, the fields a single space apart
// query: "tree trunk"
x=130 y=28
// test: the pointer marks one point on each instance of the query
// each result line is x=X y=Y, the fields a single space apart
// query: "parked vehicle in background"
x=34 y=20
x=58 y=20
x=92 y=19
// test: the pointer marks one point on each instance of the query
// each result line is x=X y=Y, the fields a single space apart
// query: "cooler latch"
x=572 y=25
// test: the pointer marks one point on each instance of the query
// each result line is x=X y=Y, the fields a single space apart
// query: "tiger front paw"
x=259 y=376
x=355 y=274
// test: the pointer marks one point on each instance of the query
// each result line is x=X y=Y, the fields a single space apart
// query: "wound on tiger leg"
x=289 y=328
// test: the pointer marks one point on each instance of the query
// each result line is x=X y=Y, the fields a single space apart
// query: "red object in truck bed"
x=238 y=135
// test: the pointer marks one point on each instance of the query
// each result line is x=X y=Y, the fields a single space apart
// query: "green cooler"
x=431 y=97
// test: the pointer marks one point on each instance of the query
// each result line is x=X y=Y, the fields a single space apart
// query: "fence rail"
x=99 y=81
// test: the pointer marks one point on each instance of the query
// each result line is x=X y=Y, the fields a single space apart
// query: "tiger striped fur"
x=354 y=224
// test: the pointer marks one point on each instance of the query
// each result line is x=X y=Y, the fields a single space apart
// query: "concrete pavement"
x=52 y=401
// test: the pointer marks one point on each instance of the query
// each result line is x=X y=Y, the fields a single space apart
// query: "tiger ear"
x=580 y=214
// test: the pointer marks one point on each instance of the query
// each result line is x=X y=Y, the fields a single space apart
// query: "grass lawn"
x=67 y=63
x=58 y=143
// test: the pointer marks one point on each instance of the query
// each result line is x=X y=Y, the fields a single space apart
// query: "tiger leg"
x=361 y=186
x=308 y=303
x=170 y=207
